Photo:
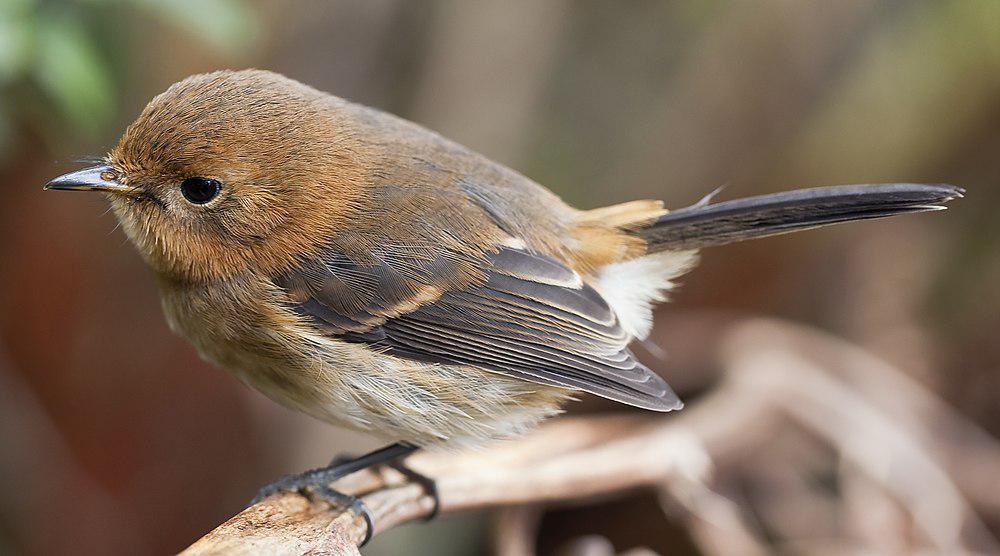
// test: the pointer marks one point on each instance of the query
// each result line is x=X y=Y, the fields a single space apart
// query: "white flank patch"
x=514 y=243
x=632 y=287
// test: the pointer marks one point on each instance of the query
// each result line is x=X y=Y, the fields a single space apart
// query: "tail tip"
x=943 y=192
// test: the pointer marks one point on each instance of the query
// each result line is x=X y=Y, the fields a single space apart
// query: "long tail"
x=703 y=225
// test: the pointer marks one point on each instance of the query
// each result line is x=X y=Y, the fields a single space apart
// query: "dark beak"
x=97 y=178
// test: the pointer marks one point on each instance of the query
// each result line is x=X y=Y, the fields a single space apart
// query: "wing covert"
x=525 y=315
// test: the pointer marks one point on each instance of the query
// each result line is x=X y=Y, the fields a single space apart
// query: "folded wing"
x=526 y=315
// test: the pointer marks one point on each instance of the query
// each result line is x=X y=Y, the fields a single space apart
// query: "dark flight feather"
x=531 y=318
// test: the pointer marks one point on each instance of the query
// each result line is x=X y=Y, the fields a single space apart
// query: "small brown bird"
x=364 y=270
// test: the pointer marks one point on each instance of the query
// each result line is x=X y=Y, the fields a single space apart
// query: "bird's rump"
x=527 y=316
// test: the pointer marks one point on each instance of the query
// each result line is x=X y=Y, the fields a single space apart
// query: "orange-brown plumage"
x=371 y=273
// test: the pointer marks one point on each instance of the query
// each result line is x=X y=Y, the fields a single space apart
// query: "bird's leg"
x=429 y=485
x=339 y=468
x=341 y=458
x=317 y=481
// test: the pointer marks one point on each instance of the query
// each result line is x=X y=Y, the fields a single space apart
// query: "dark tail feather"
x=703 y=225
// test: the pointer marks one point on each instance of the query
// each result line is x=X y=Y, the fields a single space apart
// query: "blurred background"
x=116 y=438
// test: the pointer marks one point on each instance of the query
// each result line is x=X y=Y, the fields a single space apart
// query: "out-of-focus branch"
x=516 y=530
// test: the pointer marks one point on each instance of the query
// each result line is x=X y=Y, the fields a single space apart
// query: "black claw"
x=355 y=504
x=306 y=484
x=317 y=482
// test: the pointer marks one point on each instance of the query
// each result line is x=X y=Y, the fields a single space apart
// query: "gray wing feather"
x=532 y=318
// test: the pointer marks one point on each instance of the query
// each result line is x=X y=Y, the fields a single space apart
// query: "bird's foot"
x=399 y=464
x=316 y=482
x=300 y=482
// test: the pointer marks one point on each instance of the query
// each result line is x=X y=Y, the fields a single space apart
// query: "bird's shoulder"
x=419 y=175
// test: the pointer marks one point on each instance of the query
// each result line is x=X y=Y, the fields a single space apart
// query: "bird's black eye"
x=200 y=190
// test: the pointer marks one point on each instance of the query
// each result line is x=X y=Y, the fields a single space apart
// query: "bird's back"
x=424 y=175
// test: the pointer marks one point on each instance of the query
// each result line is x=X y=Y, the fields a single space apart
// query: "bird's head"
x=228 y=171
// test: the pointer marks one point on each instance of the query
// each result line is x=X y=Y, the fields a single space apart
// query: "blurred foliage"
x=139 y=447
x=947 y=54
x=58 y=56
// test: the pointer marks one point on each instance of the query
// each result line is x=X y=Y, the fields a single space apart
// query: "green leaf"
x=72 y=72
x=16 y=27
x=226 y=25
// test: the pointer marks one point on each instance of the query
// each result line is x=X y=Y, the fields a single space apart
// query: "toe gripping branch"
x=318 y=482
x=428 y=484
